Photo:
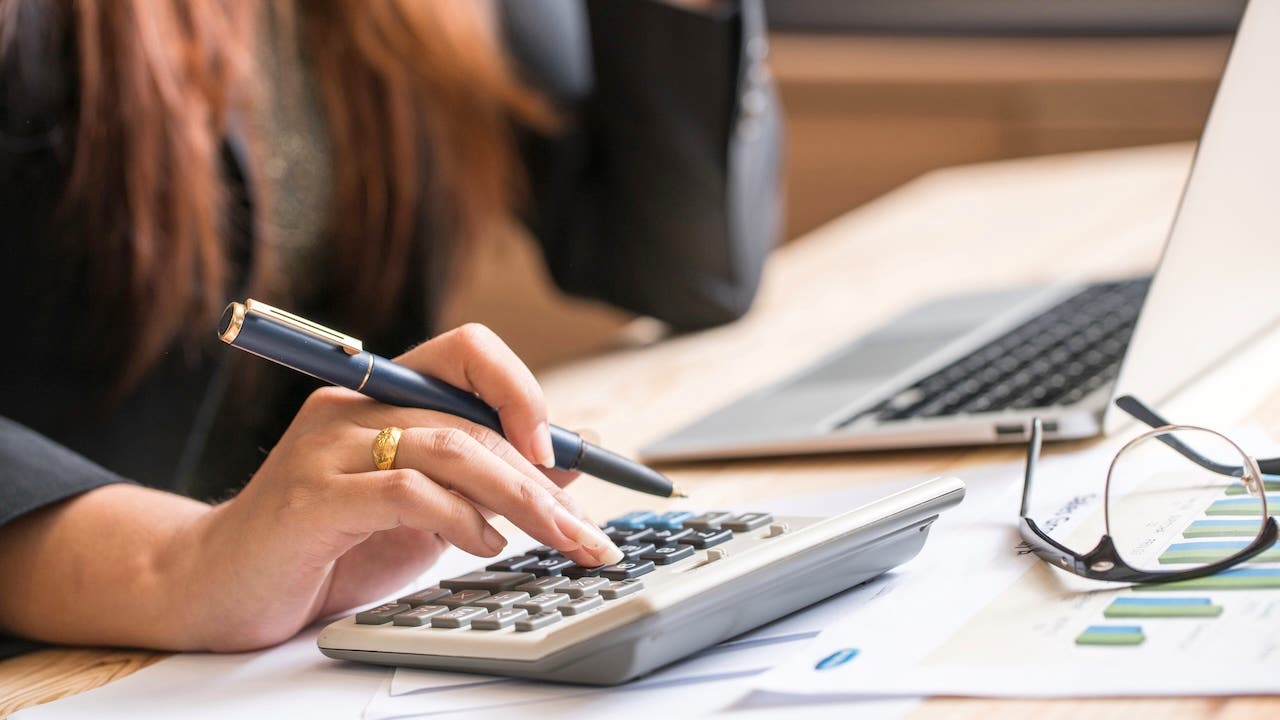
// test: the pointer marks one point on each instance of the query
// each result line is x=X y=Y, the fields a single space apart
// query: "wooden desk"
x=977 y=226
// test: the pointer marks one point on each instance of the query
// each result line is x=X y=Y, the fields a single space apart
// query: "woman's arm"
x=317 y=530
x=662 y=194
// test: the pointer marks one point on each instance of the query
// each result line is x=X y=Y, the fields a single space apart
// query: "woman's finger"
x=376 y=416
x=456 y=460
x=385 y=499
x=473 y=358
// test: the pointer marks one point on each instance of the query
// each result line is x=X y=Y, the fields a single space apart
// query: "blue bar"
x=1160 y=601
x=1112 y=629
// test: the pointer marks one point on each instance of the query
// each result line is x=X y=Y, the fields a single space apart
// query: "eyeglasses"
x=1171 y=478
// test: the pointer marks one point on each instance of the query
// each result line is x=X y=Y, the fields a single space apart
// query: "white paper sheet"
x=976 y=618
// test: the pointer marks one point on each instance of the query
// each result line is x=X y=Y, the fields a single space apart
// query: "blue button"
x=634 y=520
x=673 y=520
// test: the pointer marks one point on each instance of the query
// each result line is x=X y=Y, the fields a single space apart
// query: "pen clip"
x=349 y=345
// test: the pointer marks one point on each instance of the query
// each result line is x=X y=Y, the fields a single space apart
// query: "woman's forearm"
x=105 y=567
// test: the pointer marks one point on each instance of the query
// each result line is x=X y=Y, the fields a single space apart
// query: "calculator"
x=687 y=581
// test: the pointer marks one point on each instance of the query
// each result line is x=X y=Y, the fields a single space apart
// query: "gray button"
x=543 y=585
x=708 y=521
x=748 y=521
x=381 y=614
x=669 y=554
x=460 y=617
x=632 y=550
x=621 y=588
x=583 y=586
x=465 y=597
x=534 y=622
x=757 y=48
x=546 y=602
x=499 y=619
x=420 y=615
x=504 y=599
x=490 y=580
x=754 y=102
x=708 y=538
x=426 y=596
x=627 y=569
x=580 y=605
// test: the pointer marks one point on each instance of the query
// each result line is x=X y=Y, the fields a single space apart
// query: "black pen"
x=338 y=359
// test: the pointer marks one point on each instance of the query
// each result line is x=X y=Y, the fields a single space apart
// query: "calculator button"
x=544 y=551
x=633 y=520
x=578 y=571
x=638 y=537
x=707 y=538
x=546 y=602
x=708 y=521
x=381 y=614
x=463 y=597
x=615 y=534
x=577 y=606
x=504 y=599
x=620 y=588
x=667 y=537
x=535 y=622
x=584 y=586
x=673 y=520
x=492 y=581
x=543 y=584
x=419 y=616
x=627 y=570
x=635 y=549
x=425 y=596
x=499 y=619
x=747 y=521
x=513 y=563
x=459 y=617
x=550 y=566
x=668 y=554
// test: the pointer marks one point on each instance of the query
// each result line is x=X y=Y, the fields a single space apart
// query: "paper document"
x=977 y=618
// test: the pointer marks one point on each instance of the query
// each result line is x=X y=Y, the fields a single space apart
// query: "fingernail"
x=588 y=536
x=546 y=452
x=494 y=539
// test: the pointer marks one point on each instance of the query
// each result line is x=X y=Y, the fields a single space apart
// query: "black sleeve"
x=661 y=195
x=35 y=471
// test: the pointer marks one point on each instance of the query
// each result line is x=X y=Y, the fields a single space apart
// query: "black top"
x=661 y=197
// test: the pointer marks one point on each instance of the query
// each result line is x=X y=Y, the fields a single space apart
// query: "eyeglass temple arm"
x=1141 y=412
x=1033 y=455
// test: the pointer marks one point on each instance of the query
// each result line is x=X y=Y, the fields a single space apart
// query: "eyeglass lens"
x=1168 y=514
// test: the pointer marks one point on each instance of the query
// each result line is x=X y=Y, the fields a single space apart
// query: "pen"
x=339 y=359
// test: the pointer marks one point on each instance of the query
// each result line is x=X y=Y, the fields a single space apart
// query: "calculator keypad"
x=542 y=588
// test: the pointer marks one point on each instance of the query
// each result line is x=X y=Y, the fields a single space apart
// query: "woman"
x=159 y=157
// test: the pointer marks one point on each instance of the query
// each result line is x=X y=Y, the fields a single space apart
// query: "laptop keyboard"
x=1056 y=358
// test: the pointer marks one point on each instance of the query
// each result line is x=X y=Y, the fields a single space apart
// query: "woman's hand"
x=318 y=529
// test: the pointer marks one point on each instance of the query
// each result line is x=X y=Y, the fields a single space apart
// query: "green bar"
x=1235 y=579
x=1161 y=611
x=1223 y=528
x=1268 y=485
x=1093 y=636
x=1208 y=555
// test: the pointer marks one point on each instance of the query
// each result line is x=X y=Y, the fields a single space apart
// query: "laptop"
x=975 y=369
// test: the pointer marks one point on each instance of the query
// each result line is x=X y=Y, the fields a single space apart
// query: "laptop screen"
x=1218 y=284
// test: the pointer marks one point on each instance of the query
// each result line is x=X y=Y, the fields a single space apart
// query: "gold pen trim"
x=232 y=331
x=368 y=371
x=350 y=345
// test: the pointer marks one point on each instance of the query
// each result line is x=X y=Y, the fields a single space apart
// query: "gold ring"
x=384 y=447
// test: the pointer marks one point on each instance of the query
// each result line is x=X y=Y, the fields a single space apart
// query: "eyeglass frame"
x=1103 y=562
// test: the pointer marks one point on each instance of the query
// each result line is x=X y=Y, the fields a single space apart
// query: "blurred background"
x=877 y=92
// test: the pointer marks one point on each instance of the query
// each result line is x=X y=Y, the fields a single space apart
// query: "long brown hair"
x=406 y=84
